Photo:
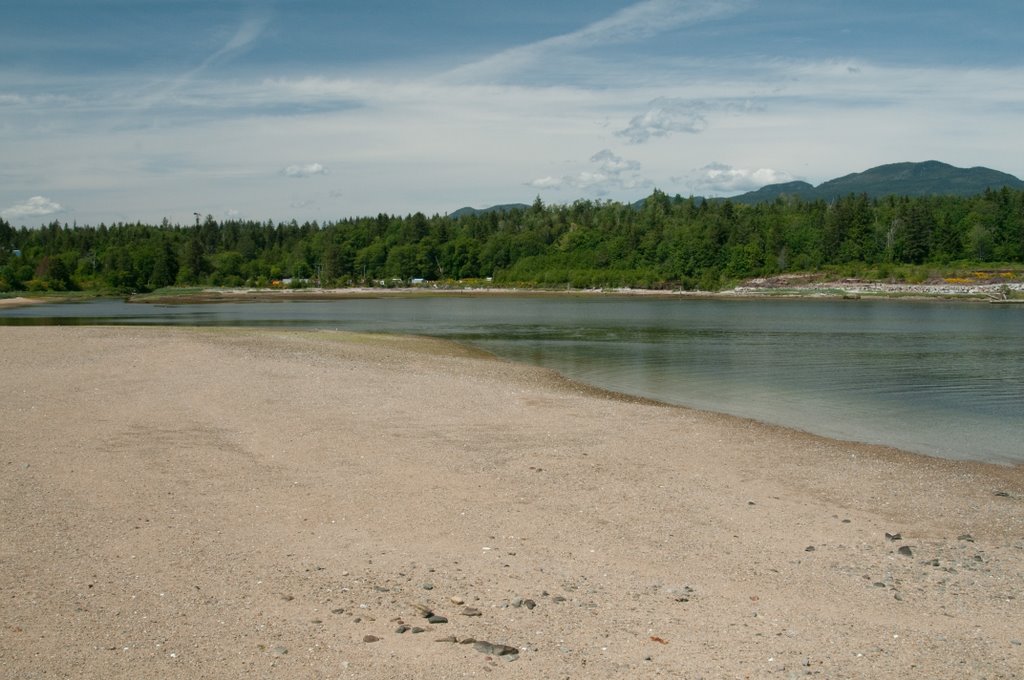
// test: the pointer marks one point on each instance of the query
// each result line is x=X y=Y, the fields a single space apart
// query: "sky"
x=141 y=110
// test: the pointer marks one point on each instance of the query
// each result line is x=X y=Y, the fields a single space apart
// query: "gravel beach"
x=217 y=503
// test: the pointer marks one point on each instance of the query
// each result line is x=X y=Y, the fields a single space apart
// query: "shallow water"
x=937 y=378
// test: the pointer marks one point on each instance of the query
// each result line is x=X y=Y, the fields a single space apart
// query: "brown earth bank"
x=19 y=301
x=180 y=503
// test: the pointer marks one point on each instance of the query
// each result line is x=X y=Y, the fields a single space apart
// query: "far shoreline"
x=753 y=290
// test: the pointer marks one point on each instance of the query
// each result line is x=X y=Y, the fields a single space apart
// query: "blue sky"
x=125 y=110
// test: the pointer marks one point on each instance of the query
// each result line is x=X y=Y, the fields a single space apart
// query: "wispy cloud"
x=250 y=29
x=609 y=172
x=301 y=171
x=36 y=206
x=634 y=23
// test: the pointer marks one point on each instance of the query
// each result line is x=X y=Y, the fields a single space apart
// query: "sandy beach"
x=179 y=503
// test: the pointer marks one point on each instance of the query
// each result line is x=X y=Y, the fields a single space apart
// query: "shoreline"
x=214 y=296
x=230 y=501
x=849 y=290
x=783 y=287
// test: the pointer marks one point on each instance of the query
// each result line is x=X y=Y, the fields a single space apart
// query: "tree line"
x=664 y=242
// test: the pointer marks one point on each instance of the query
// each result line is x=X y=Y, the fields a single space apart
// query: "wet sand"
x=183 y=503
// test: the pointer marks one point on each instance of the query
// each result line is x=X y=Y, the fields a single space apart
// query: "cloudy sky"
x=125 y=110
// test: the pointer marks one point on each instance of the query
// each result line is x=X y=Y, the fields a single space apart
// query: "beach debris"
x=660 y=641
x=905 y=551
x=894 y=537
x=494 y=649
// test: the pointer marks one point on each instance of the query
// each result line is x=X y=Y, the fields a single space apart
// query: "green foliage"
x=662 y=242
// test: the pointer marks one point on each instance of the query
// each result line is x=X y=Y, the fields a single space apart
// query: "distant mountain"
x=461 y=212
x=930 y=178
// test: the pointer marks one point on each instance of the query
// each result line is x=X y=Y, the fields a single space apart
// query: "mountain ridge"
x=925 y=178
x=922 y=178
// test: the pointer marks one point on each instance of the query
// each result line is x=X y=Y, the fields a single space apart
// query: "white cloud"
x=37 y=206
x=548 y=182
x=307 y=170
x=718 y=178
x=611 y=173
x=666 y=115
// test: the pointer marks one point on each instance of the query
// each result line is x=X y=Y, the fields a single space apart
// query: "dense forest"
x=666 y=242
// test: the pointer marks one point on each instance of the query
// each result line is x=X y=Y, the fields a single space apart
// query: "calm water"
x=941 y=379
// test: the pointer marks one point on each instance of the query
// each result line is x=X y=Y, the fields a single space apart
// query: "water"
x=939 y=379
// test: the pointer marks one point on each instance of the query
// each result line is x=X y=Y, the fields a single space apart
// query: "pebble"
x=339 y=610
x=472 y=611
x=448 y=638
x=425 y=611
x=416 y=630
x=894 y=537
x=457 y=600
x=428 y=586
x=529 y=604
x=401 y=629
x=437 y=618
x=809 y=548
x=370 y=638
x=905 y=550
x=965 y=537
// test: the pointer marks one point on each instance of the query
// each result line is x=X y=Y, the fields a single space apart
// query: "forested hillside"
x=666 y=243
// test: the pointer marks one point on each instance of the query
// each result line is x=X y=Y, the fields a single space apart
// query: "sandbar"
x=213 y=503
